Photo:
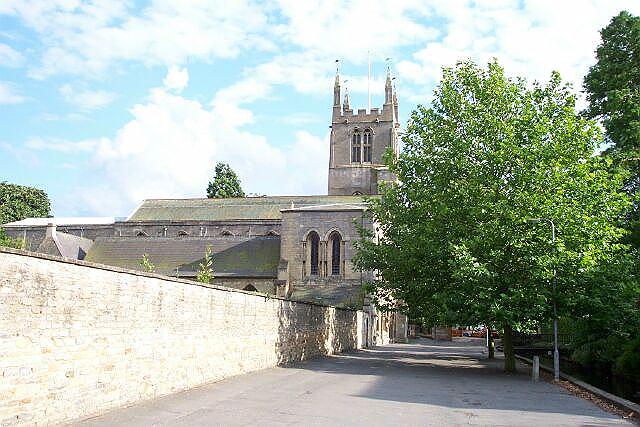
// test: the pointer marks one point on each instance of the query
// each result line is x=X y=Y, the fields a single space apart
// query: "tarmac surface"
x=424 y=383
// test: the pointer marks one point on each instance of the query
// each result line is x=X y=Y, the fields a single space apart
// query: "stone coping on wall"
x=22 y=252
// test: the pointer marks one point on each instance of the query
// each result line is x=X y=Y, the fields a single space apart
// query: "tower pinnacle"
x=345 y=104
x=388 y=87
x=336 y=90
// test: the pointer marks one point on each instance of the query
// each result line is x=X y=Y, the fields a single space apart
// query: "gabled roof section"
x=246 y=208
x=64 y=244
x=232 y=256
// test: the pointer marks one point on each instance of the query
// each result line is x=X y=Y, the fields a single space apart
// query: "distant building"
x=298 y=247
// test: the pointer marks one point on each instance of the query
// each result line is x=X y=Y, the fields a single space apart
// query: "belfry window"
x=313 y=242
x=335 y=245
x=366 y=146
x=356 y=147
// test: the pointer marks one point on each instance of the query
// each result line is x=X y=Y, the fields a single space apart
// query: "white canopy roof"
x=62 y=221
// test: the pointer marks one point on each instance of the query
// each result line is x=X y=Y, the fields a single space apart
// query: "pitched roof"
x=232 y=256
x=64 y=244
x=48 y=246
x=71 y=246
x=338 y=296
x=246 y=208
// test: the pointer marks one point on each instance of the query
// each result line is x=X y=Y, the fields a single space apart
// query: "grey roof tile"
x=232 y=256
x=230 y=209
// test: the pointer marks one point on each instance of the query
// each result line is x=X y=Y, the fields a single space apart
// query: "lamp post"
x=556 y=353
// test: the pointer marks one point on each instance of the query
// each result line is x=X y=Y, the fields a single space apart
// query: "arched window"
x=366 y=146
x=226 y=233
x=250 y=288
x=356 y=147
x=335 y=248
x=182 y=233
x=142 y=234
x=313 y=243
x=272 y=233
x=357 y=193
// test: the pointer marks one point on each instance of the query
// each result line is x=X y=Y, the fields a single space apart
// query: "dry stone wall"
x=78 y=339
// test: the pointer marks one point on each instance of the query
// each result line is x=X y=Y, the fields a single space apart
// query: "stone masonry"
x=78 y=338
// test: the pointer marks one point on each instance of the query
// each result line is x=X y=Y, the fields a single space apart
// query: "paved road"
x=424 y=383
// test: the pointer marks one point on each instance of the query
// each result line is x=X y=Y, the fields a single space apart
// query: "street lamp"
x=556 y=354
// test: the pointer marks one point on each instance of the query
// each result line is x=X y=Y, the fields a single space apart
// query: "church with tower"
x=294 y=247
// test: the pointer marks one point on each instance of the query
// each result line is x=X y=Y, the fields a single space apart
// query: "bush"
x=628 y=364
x=9 y=242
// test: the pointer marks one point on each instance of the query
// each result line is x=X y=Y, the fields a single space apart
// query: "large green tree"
x=613 y=83
x=613 y=91
x=18 y=202
x=454 y=244
x=225 y=183
x=612 y=87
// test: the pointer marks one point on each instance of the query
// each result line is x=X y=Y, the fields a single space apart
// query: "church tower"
x=358 y=142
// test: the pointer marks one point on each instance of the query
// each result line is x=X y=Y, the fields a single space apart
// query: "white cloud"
x=86 y=99
x=177 y=78
x=8 y=94
x=530 y=38
x=169 y=149
x=90 y=37
x=10 y=57
x=347 y=30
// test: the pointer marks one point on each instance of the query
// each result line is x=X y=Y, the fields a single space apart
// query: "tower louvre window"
x=356 y=147
x=366 y=146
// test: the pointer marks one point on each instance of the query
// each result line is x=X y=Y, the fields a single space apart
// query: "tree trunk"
x=492 y=349
x=507 y=344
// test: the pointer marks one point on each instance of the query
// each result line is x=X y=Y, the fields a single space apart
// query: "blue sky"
x=104 y=103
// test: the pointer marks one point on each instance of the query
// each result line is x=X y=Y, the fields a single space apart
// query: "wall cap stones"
x=25 y=253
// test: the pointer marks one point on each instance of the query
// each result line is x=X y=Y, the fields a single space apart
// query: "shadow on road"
x=451 y=374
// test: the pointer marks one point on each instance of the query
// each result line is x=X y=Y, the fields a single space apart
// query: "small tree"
x=205 y=272
x=225 y=183
x=147 y=265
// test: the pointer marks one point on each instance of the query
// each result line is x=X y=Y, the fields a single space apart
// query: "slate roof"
x=232 y=256
x=348 y=296
x=66 y=245
x=246 y=208
x=48 y=246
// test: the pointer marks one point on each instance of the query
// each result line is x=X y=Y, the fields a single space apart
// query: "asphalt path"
x=424 y=383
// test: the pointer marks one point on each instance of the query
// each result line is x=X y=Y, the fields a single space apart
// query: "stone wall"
x=78 y=339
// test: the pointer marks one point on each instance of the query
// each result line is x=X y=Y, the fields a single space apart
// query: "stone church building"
x=297 y=247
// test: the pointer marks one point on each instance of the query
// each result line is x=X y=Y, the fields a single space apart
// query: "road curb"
x=627 y=404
